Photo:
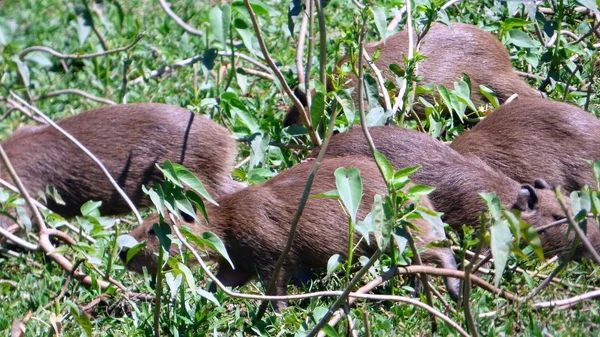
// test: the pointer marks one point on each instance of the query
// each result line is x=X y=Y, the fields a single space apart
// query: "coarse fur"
x=451 y=50
x=129 y=140
x=458 y=181
x=535 y=138
x=254 y=224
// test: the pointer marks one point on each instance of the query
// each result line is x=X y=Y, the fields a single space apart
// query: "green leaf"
x=209 y=239
x=91 y=208
x=501 y=238
x=333 y=194
x=82 y=320
x=134 y=250
x=187 y=275
x=381 y=224
x=333 y=263
x=490 y=95
x=191 y=181
x=42 y=59
x=418 y=189
x=344 y=99
x=163 y=232
x=377 y=117
x=365 y=227
x=169 y=173
x=493 y=203
x=184 y=205
x=209 y=296
x=23 y=70
x=407 y=171
x=385 y=166
x=380 y=20
x=157 y=197
x=174 y=283
x=258 y=149
x=84 y=23
x=317 y=108
x=520 y=39
x=198 y=202
x=400 y=236
x=219 y=22
x=349 y=185
x=434 y=219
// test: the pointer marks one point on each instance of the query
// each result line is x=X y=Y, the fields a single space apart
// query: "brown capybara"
x=254 y=224
x=450 y=50
x=533 y=138
x=129 y=140
x=458 y=181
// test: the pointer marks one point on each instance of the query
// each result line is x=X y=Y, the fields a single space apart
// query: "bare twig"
x=85 y=150
x=76 y=92
x=380 y=81
x=17 y=240
x=256 y=73
x=303 y=114
x=300 y=51
x=167 y=8
x=78 y=56
x=568 y=302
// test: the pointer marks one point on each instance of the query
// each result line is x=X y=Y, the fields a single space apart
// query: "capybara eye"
x=558 y=217
x=151 y=231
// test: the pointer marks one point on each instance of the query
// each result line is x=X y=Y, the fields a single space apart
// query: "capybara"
x=458 y=181
x=129 y=140
x=450 y=50
x=254 y=224
x=533 y=138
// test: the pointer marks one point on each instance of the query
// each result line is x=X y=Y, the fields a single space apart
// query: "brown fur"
x=458 y=180
x=129 y=140
x=450 y=50
x=535 y=138
x=254 y=224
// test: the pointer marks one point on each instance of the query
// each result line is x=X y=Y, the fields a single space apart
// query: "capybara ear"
x=527 y=198
x=541 y=184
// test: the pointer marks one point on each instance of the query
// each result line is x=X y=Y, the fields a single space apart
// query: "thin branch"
x=300 y=50
x=256 y=73
x=380 y=81
x=17 y=240
x=245 y=58
x=303 y=114
x=322 y=41
x=85 y=150
x=79 y=56
x=167 y=8
x=568 y=302
x=76 y=92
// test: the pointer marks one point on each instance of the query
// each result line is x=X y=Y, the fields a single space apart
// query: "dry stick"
x=399 y=101
x=300 y=51
x=303 y=200
x=379 y=79
x=76 y=92
x=589 y=91
x=39 y=205
x=166 y=7
x=449 y=3
x=396 y=20
x=26 y=112
x=303 y=114
x=245 y=58
x=568 y=302
x=586 y=242
x=257 y=73
x=17 y=240
x=81 y=56
x=86 y=151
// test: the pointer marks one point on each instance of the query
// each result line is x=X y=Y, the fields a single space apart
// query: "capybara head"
x=459 y=179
